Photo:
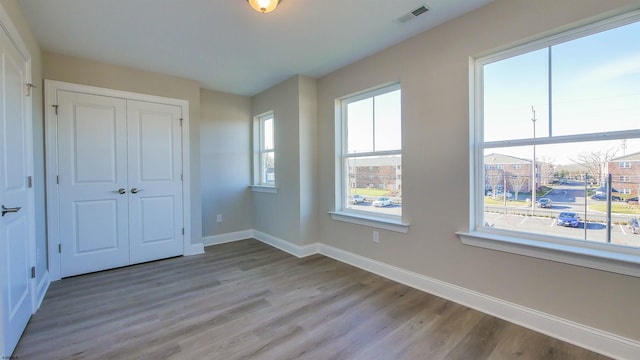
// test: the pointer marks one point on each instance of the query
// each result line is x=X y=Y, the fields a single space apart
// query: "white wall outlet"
x=376 y=236
x=219 y=218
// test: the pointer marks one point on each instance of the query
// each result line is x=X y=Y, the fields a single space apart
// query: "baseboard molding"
x=578 y=334
x=41 y=289
x=194 y=249
x=286 y=246
x=228 y=237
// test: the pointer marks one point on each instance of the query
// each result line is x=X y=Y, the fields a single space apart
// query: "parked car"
x=603 y=197
x=634 y=225
x=632 y=199
x=544 y=203
x=568 y=218
x=357 y=199
x=382 y=202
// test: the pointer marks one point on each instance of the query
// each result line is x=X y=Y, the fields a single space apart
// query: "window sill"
x=264 y=189
x=373 y=221
x=590 y=257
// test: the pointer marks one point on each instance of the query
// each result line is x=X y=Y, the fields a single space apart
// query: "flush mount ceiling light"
x=264 y=6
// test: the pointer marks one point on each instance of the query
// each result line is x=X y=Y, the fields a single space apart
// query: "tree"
x=517 y=183
x=494 y=177
x=595 y=162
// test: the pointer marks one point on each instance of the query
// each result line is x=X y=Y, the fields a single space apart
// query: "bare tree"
x=546 y=169
x=595 y=162
x=494 y=177
x=517 y=183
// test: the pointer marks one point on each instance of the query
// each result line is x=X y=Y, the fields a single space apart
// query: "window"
x=369 y=143
x=625 y=165
x=264 y=156
x=624 y=179
x=566 y=103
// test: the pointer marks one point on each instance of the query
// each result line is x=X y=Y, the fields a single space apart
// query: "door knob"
x=121 y=191
x=6 y=210
x=135 y=190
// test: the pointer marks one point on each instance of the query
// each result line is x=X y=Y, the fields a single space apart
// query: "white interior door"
x=16 y=198
x=92 y=153
x=155 y=186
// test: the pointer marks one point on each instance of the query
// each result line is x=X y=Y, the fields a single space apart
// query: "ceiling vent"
x=412 y=14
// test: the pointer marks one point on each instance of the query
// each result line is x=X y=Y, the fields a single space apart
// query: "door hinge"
x=33 y=272
x=181 y=177
x=59 y=248
x=55 y=107
x=30 y=181
x=181 y=121
x=182 y=231
x=57 y=179
x=27 y=89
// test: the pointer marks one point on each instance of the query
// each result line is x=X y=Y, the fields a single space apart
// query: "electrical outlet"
x=219 y=218
x=376 y=237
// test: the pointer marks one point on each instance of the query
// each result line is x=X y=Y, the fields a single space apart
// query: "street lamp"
x=533 y=162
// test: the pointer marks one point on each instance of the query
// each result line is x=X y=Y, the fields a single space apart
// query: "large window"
x=265 y=170
x=370 y=153
x=561 y=112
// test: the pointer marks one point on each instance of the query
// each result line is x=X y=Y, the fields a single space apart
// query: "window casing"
x=264 y=156
x=369 y=155
x=556 y=101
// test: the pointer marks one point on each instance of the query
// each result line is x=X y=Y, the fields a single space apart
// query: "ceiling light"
x=264 y=6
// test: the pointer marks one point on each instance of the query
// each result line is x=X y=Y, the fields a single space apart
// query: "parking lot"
x=620 y=234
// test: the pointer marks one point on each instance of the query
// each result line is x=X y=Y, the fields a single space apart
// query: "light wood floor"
x=246 y=300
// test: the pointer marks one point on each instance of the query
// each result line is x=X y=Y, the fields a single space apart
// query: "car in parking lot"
x=568 y=218
x=544 y=203
x=632 y=199
x=357 y=199
x=382 y=202
x=634 y=225
x=603 y=197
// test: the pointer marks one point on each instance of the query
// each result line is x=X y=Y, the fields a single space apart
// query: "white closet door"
x=92 y=150
x=155 y=185
x=16 y=198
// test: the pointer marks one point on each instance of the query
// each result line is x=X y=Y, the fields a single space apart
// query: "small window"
x=564 y=103
x=371 y=144
x=264 y=156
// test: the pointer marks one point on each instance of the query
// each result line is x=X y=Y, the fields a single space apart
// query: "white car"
x=357 y=199
x=382 y=202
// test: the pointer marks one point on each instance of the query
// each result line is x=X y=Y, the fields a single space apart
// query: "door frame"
x=51 y=88
x=7 y=26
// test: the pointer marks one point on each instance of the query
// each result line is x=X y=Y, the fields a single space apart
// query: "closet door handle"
x=121 y=191
x=135 y=190
x=6 y=210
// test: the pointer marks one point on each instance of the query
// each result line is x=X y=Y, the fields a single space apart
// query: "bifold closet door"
x=120 y=186
x=92 y=182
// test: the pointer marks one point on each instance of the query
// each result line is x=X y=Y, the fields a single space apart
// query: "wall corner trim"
x=596 y=340
x=194 y=249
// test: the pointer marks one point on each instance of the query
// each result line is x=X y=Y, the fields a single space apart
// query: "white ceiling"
x=224 y=44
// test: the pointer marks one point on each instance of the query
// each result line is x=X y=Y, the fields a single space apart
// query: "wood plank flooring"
x=247 y=300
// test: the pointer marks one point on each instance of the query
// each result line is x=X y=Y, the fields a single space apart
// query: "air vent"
x=412 y=14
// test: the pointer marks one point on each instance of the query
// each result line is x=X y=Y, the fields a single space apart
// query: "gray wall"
x=433 y=68
x=225 y=148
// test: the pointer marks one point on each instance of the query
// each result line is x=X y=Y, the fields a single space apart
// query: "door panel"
x=16 y=228
x=92 y=138
x=155 y=167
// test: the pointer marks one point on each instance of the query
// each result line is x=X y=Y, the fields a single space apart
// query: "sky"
x=595 y=88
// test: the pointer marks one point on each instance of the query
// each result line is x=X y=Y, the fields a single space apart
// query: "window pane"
x=511 y=88
x=268 y=133
x=360 y=126
x=388 y=122
x=596 y=82
x=375 y=184
x=268 y=161
x=566 y=175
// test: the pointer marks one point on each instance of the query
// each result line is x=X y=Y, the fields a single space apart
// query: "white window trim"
x=258 y=131
x=607 y=257
x=342 y=213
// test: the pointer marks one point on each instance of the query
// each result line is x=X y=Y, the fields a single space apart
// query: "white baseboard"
x=228 y=237
x=194 y=249
x=581 y=335
x=41 y=289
